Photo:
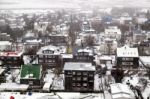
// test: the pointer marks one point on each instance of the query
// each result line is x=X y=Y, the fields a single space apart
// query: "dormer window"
x=48 y=52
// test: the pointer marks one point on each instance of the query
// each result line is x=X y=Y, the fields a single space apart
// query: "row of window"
x=79 y=78
x=61 y=40
x=79 y=84
x=83 y=58
x=127 y=59
x=47 y=56
x=48 y=51
x=47 y=61
x=79 y=73
x=127 y=63
x=83 y=53
x=14 y=58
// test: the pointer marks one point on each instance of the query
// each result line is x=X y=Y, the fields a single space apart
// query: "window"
x=73 y=84
x=78 y=78
x=86 y=53
x=73 y=78
x=30 y=82
x=40 y=61
x=49 y=56
x=80 y=53
x=9 y=57
x=85 y=73
x=74 y=73
x=84 y=78
x=78 y=85
x=85 y=84
x=91 y=75
x=15 y=58
x=79 y=73
x=48 y=51
x=2 y=57
x=69 y=72
x=49 y=61
x=127 y=59
x=40 y=56
x=127 y=63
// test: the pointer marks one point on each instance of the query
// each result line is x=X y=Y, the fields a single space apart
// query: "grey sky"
x=70 y=3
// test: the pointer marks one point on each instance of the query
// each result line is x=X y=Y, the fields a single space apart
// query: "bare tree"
x=89 y=40
x=49 y=28
x=72 y=36
x=108 y=47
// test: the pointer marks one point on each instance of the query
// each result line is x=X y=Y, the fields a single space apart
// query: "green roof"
x=26 y=70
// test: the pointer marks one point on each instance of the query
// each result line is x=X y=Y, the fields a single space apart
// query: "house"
x=12 y=57
x=86 y=25
x=104 y=59
x=127 y=57
x=5 y=45
x=83 y=55
x=121 y=91
x=109 y=46
x=31 y=74
x=125 y=18
x=41 y=26
x=141 y=19
x=113 y=32
x=35 y=43
x=5 y=37
x=79 y=76
x=50 y=56
x=139 y=36
x=58 y=39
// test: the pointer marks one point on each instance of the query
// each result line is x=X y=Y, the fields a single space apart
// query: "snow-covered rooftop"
x=126 y=51
x=145 y=60
x=34 y=41
x=2 y=70
x=113 y=30
x=86 y=50
x=105 y=57
x=52 y=50
x=13 y=86
x=121 y=91
x=5 y=43
x=57 y=95
x=12 y=53
x=81 y=66
x=67 y=56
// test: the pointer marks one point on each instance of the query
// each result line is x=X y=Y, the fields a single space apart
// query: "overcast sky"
x=70 y=3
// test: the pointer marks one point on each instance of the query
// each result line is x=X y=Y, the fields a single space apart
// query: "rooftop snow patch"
x=81 y=66
x=121 y=91
x=52 y=50
x=126 y=51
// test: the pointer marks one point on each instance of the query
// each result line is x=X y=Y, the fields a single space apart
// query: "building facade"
x=79 y=77
x=127 y=57
x=31 y=74
x=50 y=56
x=84 y=55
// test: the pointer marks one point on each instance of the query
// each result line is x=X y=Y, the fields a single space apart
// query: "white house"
x=113 y=32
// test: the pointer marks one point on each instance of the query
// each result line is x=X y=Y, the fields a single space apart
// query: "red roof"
x=12 y=97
